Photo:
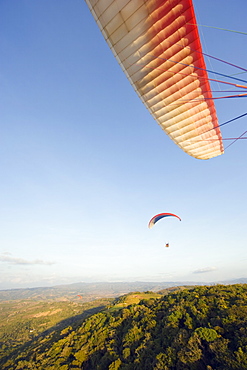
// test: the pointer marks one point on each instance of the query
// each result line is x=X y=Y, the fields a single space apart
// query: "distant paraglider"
x=78 y=295
x=159 y=216
x=156 y=218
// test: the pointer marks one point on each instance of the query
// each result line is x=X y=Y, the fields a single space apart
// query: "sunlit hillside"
x=204 y=327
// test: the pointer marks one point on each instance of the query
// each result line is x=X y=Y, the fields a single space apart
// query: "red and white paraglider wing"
x=157 y=45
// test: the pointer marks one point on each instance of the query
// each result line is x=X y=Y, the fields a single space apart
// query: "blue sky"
x=84 y=166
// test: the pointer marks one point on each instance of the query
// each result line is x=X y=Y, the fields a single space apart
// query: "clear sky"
x=84 y=166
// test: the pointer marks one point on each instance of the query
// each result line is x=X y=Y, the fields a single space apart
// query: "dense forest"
x=22 y=321
x=203 y=327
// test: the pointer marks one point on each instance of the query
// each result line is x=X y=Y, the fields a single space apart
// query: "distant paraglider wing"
x=158 y=47
x=156 y=218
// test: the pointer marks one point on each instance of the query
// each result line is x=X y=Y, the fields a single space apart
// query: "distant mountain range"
x=90 y=291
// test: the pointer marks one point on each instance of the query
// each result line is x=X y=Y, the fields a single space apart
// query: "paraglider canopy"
x=157 y=45
x=156 y=218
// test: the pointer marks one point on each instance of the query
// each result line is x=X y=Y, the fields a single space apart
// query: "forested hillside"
x=201 y=328
x=22 y=321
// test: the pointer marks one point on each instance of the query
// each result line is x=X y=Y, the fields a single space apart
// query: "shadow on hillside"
x=73 y=321
x=53 y=334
